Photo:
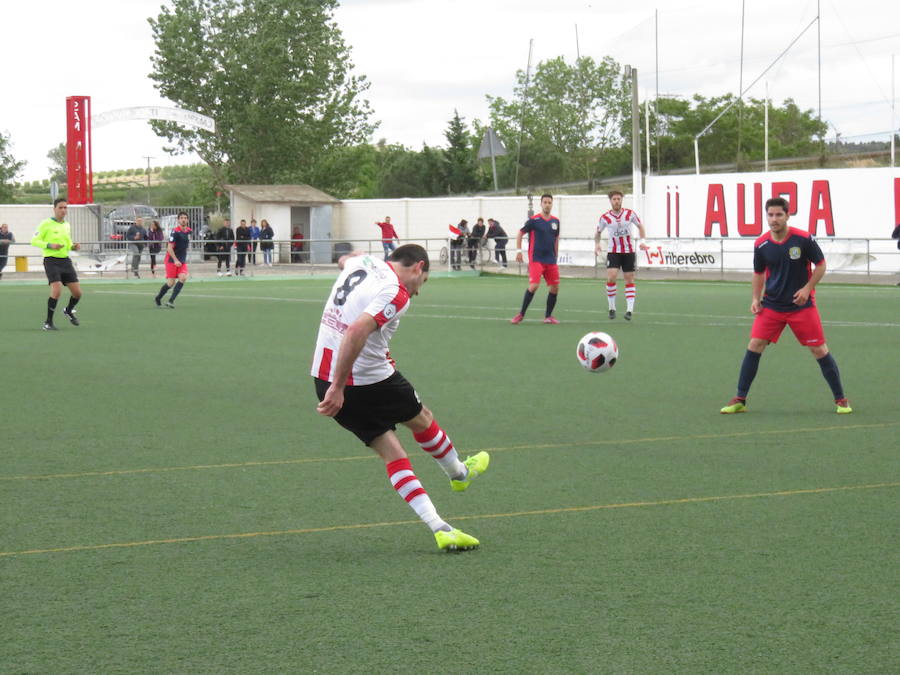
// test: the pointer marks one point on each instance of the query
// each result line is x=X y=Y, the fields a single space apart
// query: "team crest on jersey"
x=794 y=252
x=553 y=226
x=389 y=311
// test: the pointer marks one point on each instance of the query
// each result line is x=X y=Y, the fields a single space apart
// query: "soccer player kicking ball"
x=782 y=260
x=543 y=252
x=357 y=384
x=175 y=261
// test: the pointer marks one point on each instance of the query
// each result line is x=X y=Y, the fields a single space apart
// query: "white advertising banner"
x=840 y=203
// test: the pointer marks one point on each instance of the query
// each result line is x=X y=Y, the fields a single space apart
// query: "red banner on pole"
x=78 y=150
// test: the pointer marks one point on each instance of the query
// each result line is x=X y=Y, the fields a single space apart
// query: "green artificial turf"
x=171 y=502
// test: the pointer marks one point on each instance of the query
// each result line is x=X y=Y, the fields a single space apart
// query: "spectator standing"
x=242 y=243
x=154 y=236
x=498 y=234
x=266 y=235
x=225 y=236
x=54 y=238
x=456 y=244
x=388 y=236
x=296 y=245
x=136 y=235
x=477 y=238
x=6 y=238
x=254 y=240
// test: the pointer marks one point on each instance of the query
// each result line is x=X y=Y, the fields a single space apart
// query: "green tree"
x=274 y=74
x=573 y=113
x=460 y=168
x=793 y=132
x=9 y=170
x=58 y=163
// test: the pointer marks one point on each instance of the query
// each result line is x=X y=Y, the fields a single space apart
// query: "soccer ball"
x=597 y=352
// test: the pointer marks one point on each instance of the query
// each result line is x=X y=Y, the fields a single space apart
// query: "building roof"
x=294 y=194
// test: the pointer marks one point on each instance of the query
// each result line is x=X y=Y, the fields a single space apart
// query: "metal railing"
x=864 y=258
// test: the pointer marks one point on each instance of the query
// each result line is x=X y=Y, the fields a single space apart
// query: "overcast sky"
x=425 y=58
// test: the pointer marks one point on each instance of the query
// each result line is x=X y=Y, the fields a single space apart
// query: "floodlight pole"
x=637 y=187
x=148 y=178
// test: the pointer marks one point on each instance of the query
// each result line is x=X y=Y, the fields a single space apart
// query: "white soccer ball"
x=597 y=352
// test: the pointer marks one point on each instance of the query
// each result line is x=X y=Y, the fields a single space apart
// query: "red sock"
x=408 y=486
x=437 y=443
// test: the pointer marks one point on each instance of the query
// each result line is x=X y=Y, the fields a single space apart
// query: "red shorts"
x=537 y=270
x=173 y=271
x=806 y=324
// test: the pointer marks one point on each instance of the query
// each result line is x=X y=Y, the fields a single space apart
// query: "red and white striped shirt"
x=365 y=285
x=620 y=227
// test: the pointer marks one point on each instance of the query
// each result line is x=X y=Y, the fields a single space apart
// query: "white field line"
x=723 y=320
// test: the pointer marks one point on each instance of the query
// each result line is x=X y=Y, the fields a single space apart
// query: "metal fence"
x=863 y=259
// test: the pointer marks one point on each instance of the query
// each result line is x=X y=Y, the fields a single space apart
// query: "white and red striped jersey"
x=365 y=285
x=620 y=229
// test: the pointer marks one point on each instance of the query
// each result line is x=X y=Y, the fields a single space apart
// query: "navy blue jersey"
x=788 y=266
x=542 y=238
x=180 y=242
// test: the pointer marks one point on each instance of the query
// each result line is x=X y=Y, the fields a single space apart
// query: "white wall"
x=418 y=219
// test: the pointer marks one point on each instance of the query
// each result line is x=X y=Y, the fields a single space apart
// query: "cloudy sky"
x=425 y=58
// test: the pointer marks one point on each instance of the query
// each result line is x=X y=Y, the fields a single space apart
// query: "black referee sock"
x=72 y=302
x=51 y=308
x=162 y=292
x=175 y=291
x=551 y=303
x=529 y=296
x=832 y=375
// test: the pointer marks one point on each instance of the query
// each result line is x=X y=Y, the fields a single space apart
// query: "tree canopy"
x=9 y=170
x=274 y=74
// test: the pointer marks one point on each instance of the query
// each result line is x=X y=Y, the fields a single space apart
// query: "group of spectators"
x=245 y=239
x=137 y=237
x=474 y=239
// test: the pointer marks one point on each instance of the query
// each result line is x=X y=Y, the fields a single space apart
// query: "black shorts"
x=60 y=269
x=372 y=409
x=623 y=260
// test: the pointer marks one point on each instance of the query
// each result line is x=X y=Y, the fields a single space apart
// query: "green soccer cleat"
x=455 y=540
x=735 y=405
x=477 y=464
x=843 y=406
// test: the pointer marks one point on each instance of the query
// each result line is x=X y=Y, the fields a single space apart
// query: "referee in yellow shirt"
x=54 y=238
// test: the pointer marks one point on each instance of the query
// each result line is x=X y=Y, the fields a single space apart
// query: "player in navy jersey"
x=176 y=261
x=787 y=265
x=543 y=250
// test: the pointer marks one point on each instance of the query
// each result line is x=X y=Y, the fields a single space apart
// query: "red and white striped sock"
x=408 y=486
x=611 y=295
x=630 y=292
x=437 y=443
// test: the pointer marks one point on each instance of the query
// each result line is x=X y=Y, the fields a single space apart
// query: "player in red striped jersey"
x=359 y=386
x=619 y=224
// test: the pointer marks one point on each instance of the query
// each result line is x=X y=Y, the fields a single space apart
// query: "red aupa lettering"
x=715 y=210
x=820 y=207
x=752 y=229
x=787 y=190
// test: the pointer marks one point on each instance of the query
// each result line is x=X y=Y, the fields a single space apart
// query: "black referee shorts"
x=372 y=409
x=60 y=269
x=623 y=260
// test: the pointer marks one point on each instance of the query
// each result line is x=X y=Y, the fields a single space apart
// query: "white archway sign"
x=186 y=118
